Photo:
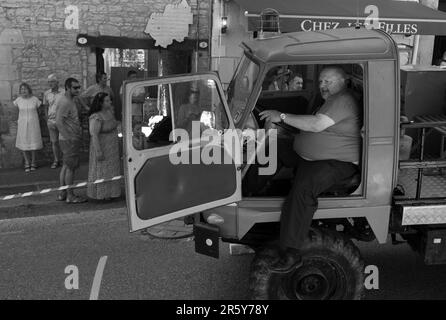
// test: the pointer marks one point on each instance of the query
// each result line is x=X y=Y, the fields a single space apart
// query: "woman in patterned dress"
x=104 y=149
x=29 y=138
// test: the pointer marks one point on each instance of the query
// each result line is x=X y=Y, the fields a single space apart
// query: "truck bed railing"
x=424 y=125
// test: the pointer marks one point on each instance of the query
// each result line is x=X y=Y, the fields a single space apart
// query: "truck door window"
x=175 y=106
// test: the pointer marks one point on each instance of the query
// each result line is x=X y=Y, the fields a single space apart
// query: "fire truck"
x=399 y=193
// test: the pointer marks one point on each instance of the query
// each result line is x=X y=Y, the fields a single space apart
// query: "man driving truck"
x=325 y=152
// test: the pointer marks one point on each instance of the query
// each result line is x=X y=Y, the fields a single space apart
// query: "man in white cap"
x=49 y=100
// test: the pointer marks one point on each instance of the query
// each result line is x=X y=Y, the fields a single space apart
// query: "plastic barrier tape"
x=73 y=186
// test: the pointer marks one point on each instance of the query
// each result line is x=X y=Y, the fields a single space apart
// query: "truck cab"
x=188 y=153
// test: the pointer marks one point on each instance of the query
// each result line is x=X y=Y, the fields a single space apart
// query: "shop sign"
x=372 y=21
x=391 y=28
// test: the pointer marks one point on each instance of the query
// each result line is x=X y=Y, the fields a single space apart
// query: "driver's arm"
x=311 y=123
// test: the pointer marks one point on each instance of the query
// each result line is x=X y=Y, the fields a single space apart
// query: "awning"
x=395 y=17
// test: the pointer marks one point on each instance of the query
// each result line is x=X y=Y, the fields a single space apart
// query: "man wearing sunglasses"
x=70 y=135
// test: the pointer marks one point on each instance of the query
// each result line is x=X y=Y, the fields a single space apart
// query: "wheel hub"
x=316 y=279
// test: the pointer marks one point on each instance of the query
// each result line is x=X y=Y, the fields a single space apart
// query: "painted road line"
x=98 y=278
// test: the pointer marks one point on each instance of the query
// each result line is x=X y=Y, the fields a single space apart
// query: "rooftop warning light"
x=269 y=23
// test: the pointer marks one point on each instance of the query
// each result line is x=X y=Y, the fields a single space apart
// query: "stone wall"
x=35 y=41
x=226 y=49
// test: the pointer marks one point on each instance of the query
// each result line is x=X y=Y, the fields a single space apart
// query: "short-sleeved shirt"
x=341 y=141
x=67 y=118
x=49 y=98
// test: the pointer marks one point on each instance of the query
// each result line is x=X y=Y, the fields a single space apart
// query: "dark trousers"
x=312 y=178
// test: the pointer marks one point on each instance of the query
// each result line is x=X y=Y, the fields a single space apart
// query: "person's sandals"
x=33 y=167
x=55 y=165
x=76 y=200
x=27 y=168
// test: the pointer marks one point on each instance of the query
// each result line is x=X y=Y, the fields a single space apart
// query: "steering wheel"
x=284 y=126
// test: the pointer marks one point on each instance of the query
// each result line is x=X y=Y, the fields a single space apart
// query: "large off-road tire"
x=332 y=269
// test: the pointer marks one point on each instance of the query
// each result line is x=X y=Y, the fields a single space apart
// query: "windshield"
x=241 y=87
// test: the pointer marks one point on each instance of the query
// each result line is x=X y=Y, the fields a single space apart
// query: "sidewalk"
x=18 y=179
x=14 y=181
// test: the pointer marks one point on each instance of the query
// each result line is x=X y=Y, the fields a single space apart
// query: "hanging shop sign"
x=172 y=24
x=392 y=28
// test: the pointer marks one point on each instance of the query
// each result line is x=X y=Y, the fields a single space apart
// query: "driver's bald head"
x=336 y=72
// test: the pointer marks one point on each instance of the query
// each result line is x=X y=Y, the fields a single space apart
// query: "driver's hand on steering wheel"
x=270 y=115
x=270 y=125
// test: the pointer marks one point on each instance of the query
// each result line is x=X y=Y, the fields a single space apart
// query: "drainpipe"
x=211 y=26
x=197 y=40
x=415 y=49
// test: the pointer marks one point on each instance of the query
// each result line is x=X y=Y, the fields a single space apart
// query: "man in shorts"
x=49 y=101
x=70 y=134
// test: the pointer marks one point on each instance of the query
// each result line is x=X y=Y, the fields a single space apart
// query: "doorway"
x=146 y=62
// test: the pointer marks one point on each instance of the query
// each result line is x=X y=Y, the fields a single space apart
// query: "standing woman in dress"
x=29 y=138
x=104 y=149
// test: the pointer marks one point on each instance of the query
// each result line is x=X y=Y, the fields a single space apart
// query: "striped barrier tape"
x=73 y=186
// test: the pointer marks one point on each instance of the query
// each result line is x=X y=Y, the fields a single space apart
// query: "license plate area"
x=207 y=240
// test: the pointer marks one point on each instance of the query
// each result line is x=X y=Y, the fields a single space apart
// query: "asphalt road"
x=36 y=251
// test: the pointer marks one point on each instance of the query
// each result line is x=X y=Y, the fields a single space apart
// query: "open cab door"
x=173 y=138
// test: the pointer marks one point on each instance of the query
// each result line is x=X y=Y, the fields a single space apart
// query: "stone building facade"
x=39 y=37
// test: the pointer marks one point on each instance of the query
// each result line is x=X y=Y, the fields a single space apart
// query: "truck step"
x=236 y=249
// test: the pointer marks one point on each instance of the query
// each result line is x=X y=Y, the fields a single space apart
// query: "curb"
x=47 y=205
x=34 y=184
x=82 y=184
